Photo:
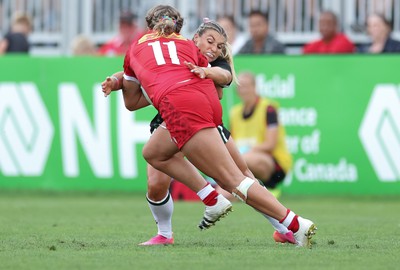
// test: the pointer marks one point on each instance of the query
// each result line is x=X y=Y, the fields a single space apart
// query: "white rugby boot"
x=214 y=213
x=305 y=232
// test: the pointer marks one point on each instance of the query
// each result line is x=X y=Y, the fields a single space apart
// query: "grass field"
x=101 y=231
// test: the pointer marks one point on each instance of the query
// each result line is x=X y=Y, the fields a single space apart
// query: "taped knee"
x=240 y=191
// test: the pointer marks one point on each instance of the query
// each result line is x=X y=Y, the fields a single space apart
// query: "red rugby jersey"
x=159 y=63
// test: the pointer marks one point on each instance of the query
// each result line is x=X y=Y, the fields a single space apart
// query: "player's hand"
x=190 y=65
x=106 y=86
x=199 y=71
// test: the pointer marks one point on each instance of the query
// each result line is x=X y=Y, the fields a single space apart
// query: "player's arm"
x=133 y=96
x=219 y=76
x=131 y=90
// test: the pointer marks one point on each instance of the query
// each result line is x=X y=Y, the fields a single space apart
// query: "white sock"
x=276 y=224
x=162 y=213
x=205 y=191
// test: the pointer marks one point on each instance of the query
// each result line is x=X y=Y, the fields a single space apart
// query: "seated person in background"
x=82 y=45
x=331 y=40
x=235 y=38
x=128 y=32
x=16 y=41
x=258 y=134
x=261 y=41
x=379 y=30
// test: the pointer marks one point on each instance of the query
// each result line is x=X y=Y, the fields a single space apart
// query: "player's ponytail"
x=164 y=19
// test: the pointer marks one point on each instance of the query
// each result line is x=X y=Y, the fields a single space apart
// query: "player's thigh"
x=207 y=152
x=160 y=146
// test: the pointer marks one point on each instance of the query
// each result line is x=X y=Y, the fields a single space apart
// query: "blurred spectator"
x=16 y=40
x=379 y=30
x=128 y=32
x=82 y=45
x=51 y=14
x=235 y=38
x=260 y=41
x=363 y=8
x=259 y=135
x=331 y=40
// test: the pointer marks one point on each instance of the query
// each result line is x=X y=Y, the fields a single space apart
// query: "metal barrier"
x=56 y=22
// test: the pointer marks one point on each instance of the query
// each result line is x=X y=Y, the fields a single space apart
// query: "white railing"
x=56 y=22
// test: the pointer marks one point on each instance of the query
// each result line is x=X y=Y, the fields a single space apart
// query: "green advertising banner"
x=58 y=131
x=342 y=117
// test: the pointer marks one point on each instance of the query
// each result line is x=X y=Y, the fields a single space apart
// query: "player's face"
x=211 y=44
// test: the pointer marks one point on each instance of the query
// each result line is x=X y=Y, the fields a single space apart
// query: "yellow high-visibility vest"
x=251 y=131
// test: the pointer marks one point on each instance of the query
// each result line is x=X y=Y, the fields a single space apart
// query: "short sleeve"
x=272 y=116
x=129 y=73
x=127 y=66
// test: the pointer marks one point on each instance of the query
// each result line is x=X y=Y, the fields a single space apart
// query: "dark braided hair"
x=164 y=19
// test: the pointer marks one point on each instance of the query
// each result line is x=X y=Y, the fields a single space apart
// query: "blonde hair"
x=82 y=45
x=164 y=19
x=21 y=23
x=226 y=51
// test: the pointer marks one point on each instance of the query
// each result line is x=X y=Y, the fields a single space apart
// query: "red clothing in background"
x=117 y=46
x=339 y=44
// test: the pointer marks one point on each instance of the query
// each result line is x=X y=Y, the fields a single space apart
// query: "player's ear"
x=196 y=38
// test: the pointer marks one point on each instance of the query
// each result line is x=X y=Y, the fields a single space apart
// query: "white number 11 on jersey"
x=159 y=55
